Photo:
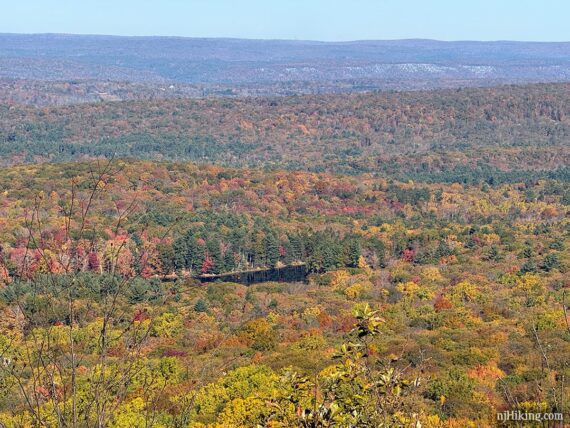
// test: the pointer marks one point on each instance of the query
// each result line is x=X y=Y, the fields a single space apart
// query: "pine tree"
x=295 y=249
x=201 y=306
x=196 y=252
x=528 y=267
x=258 y=248
x=443 y=250
x=493 y=254
x=353 y=252
x=181 y=260
x=215 y=253
x=271 y=247
x=229 y=260
x=379 y=250
x=551 y=261
x=167 y=258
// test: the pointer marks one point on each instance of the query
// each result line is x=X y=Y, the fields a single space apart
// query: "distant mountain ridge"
x=238 y=62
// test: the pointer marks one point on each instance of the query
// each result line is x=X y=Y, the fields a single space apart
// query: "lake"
x=296 y=273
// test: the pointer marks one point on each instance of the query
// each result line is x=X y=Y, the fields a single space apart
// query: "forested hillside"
x=246 y=62
x=427 y=303
x=143 y=197
x=41 y=93
x=497 y=135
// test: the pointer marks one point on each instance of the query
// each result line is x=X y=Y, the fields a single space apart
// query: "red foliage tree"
x=409 y=255
x=93 y=262
x=208 y=264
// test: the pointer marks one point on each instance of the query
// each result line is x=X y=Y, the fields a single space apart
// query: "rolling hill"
x=269 y=67
x=452 y=135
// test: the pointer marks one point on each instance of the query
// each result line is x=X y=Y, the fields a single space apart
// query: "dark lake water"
x=284 y=274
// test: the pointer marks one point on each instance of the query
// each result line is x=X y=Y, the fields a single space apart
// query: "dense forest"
x=505 y=134
x=41 y=93
x=427 y=303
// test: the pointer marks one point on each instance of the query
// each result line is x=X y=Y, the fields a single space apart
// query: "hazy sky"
x=540 y=20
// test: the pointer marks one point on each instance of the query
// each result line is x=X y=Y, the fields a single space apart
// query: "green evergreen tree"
x=296 y=248
x=493 y=254
x=180 y=249
x=166 y=256
x=551 y=261
x=528 y=267
x=271 y=249
x=353 y=252
x=229 y=260
x=379 y=250
x=201 y=306
x=215 y=253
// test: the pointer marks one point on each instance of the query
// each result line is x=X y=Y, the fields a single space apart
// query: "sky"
x=327 y=20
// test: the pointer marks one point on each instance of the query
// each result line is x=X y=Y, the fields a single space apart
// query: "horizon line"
x=282 y=39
